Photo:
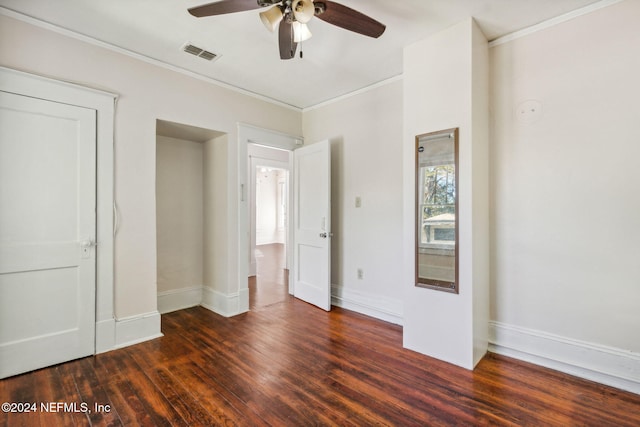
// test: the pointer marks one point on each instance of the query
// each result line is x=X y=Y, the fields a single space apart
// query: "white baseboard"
x=606 y=365
x=226 y=305
x=105 y=335
x=243 y=301
x=383 y=308
x=179 y=299
x=137 y=329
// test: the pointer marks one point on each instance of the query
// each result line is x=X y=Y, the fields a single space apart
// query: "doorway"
x=310 y=224
x=269 y=226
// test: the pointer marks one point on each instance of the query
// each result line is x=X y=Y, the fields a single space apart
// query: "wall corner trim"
x=226 y=305
x=136 y=329
x=105 y=335
x=606 y=365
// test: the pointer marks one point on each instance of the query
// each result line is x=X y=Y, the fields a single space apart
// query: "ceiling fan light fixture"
x=300 y=32
x=271 y=18
x=291 y=16
x=303 y=10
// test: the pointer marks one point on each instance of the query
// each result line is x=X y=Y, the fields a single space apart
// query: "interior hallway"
x=271 y=284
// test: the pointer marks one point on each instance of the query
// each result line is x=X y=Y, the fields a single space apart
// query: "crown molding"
x=99 y=43
x=373 y=86
x=552 y=22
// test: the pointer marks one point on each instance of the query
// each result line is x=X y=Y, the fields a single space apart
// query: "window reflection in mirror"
x=436 y=216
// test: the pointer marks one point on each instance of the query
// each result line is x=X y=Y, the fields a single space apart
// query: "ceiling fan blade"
x=350 y=19
x=223 y=6
x=285 y=40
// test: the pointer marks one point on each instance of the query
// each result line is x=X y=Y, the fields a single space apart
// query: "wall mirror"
x=437 y=210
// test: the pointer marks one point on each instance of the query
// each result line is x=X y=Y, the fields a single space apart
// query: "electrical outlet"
x=360 y=274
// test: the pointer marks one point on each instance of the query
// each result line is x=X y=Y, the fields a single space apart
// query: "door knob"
x=86 y=246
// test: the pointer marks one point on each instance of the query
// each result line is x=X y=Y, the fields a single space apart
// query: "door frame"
x=254 y=162
x=249 y=134
x=32 y=85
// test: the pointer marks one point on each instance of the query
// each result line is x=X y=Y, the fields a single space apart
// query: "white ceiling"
x=336 y=61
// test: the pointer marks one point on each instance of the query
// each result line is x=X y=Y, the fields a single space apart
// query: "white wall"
x=179 y=214
x=268 y=206
x=216 y=210
x=281 y=206
x=365 y=131
x=147 y=92
x=565 y=194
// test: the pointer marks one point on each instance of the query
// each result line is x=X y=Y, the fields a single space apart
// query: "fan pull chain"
x=301 y=55
x=293 y=52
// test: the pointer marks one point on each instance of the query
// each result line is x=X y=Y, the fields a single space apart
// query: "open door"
x=312 y=224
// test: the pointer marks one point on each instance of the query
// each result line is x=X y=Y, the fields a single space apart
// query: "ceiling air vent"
x=199 y=52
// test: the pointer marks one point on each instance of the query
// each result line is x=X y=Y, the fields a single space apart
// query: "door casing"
x=22 y=83
x=249 y=134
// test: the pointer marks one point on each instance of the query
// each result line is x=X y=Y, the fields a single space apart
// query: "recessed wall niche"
x=185 y=217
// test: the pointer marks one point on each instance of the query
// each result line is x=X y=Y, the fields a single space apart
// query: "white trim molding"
x=360 y=91
x=179 y=299
x=226 y=305
x=105 y=335
x=607 y=365
x=380 y=307
x=136 y=329
x=552 y=22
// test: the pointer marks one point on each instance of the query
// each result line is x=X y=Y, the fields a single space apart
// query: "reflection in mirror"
x=437 y=207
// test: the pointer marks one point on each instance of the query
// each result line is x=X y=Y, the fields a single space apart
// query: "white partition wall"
x=446 y=86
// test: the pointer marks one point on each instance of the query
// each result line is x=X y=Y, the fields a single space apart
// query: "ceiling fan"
x=292 y=17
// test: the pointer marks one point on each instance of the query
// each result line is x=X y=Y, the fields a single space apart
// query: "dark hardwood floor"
x=286 y=363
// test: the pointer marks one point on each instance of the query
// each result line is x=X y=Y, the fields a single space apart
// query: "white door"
x=312 y=224
x=47 y=233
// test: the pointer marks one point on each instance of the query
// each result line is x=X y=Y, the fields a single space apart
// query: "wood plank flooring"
x=286 y=363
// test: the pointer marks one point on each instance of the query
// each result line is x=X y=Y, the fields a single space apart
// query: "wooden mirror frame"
x=424 y=282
